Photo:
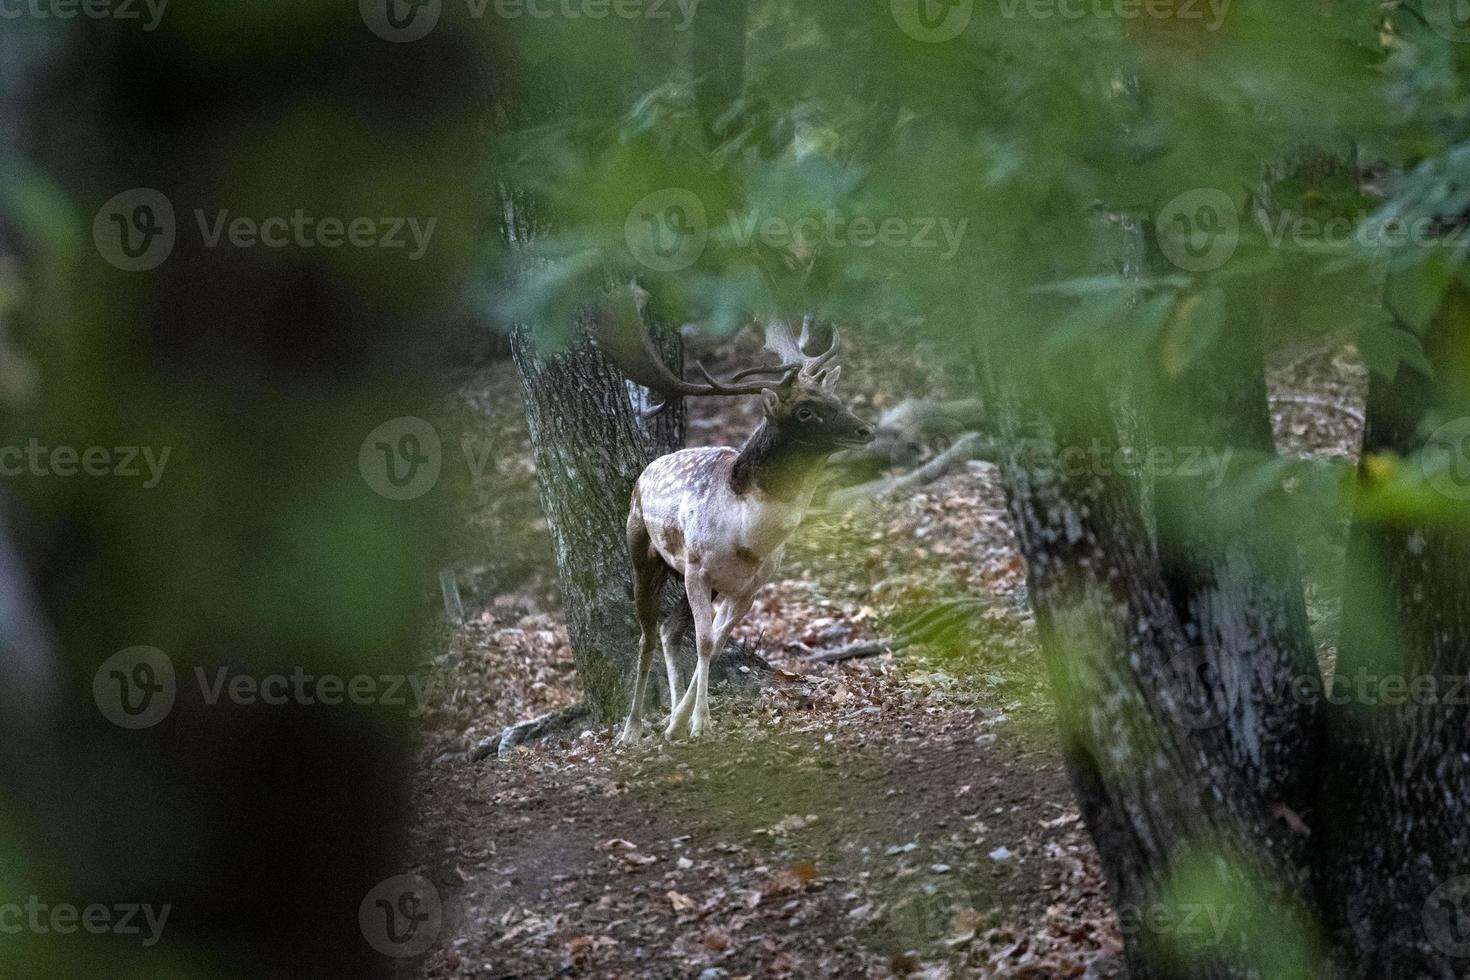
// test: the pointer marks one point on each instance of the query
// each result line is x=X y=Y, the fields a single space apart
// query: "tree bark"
x=1152 y=755
x=29 y=673
x=1338 y=836
x=589 y=452
x=1395 y=851
x=1172 y=621
x=1234 y=578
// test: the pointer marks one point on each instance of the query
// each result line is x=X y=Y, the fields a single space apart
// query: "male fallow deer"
x=719 y=517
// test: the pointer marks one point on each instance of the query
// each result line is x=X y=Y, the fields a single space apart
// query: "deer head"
x=804 y=409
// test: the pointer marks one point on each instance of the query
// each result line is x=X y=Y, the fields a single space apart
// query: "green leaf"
x=1414 y=292
x=1096 y=312
x=1385 y=347
x=1193 y=329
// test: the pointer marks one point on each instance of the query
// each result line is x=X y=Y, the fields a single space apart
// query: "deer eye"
x=805 y=414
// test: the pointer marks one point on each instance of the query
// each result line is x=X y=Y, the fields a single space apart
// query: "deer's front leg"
x=702 y=608
x=729 y=611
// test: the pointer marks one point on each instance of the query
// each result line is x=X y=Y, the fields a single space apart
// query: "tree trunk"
x=1172 y=620
x=1151 y=745
x=589 y=452
x=1234 y=578
x=1336 y=838
x=1395 y=851
x=29 y=674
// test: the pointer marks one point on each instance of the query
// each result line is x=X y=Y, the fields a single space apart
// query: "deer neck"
x=776 y=465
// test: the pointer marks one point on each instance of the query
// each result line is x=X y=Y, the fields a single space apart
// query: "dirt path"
x=930 y=838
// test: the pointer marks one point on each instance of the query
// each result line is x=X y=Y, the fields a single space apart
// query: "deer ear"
x=770 y=401
x=829 y=378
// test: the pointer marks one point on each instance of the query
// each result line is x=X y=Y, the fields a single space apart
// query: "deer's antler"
x=619 y=327
x=781 y=341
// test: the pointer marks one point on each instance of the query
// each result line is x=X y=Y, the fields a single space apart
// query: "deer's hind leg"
x=670 y=633
x=649 y=573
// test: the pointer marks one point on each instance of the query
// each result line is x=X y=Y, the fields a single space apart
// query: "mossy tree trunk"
x=589 y=452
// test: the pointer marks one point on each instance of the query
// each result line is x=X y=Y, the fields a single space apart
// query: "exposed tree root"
x=534 y=729
x=969 y=446
x=855 y=651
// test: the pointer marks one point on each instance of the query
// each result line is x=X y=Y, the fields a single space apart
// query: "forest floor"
x=901 y=815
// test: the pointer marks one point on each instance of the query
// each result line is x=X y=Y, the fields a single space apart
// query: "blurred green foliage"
x=1044 y=135
x=263 y=550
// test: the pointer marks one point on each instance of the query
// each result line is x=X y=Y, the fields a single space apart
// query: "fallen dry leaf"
x=962 y=927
